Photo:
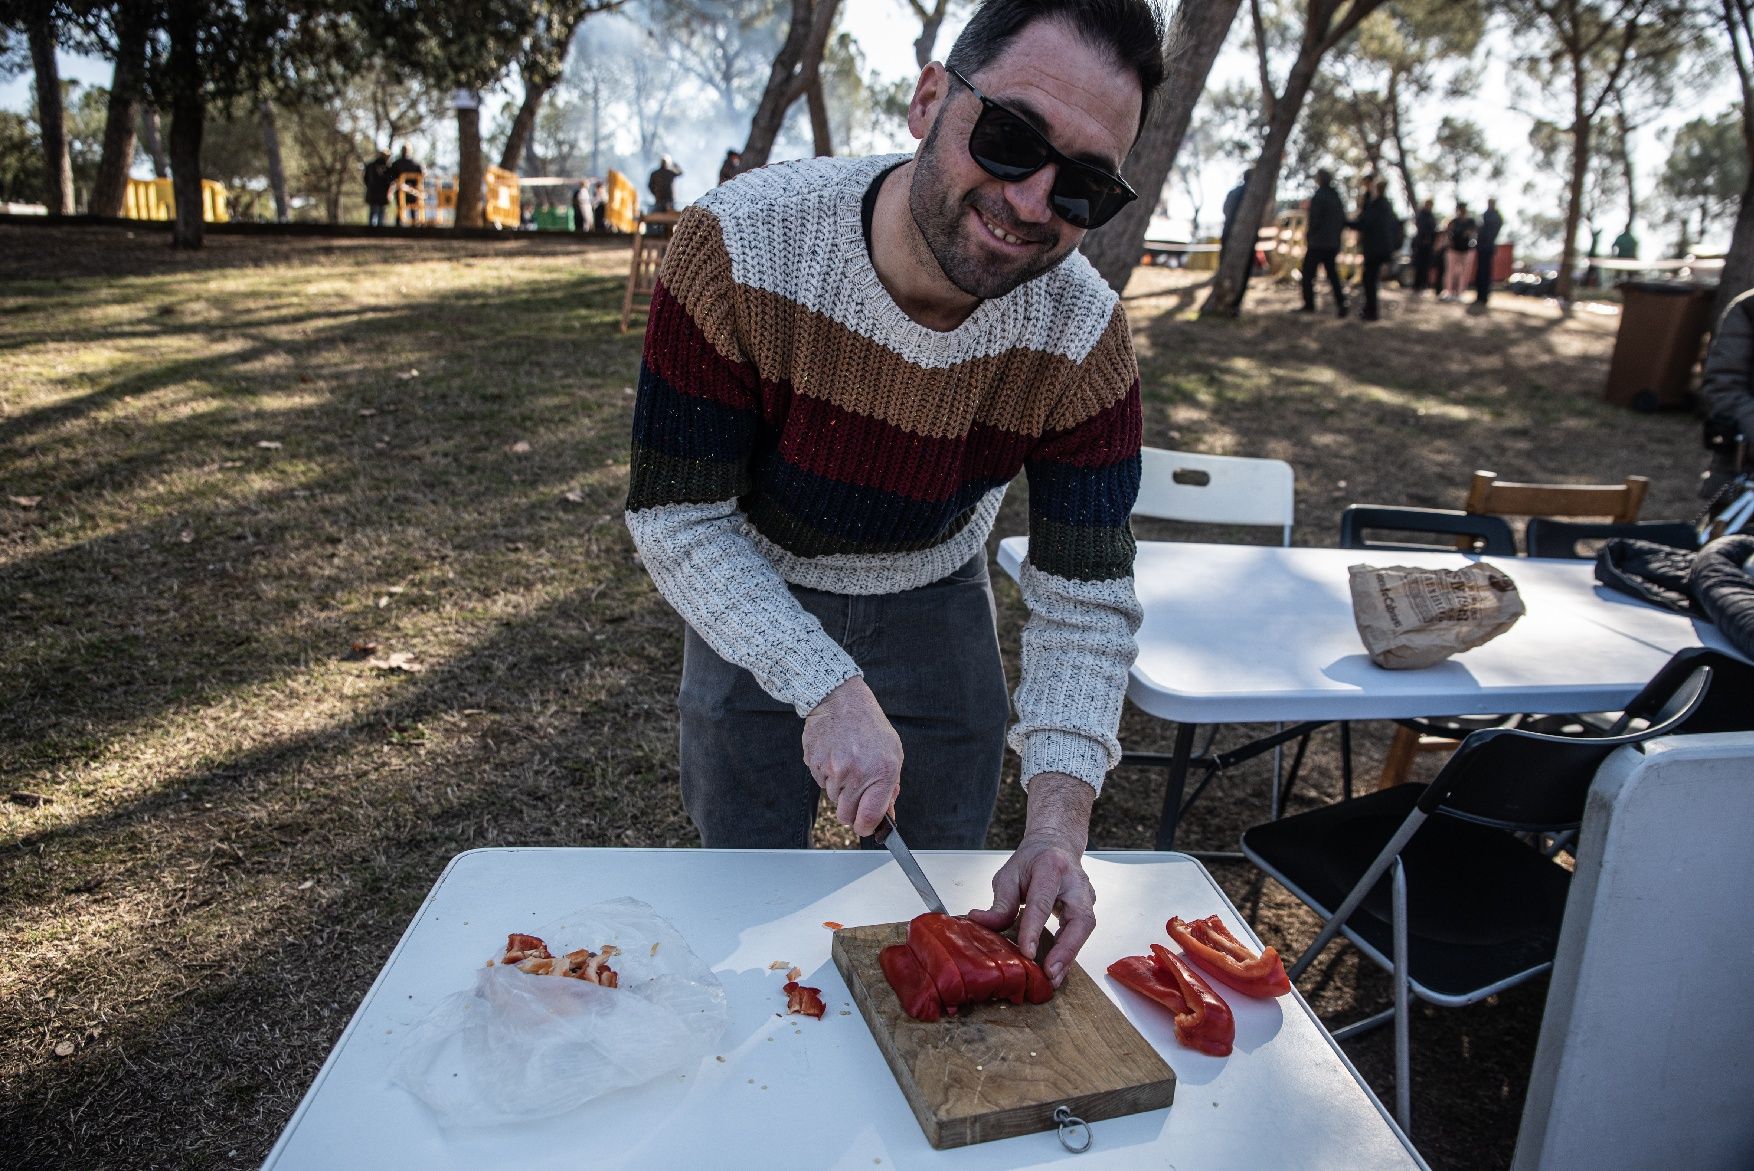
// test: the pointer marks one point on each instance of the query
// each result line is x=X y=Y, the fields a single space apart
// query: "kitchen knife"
x=887 y=835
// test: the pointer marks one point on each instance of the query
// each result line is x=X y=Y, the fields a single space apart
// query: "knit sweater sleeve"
x=1078 y=642
x=695 y=419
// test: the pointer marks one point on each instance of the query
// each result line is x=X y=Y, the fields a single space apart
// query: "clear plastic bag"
x=520 y=1046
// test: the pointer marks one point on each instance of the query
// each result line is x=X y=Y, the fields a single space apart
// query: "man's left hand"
x=1045 y=875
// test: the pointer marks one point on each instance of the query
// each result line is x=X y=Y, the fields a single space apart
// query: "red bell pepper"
x=1202 y=1019
x=804 y=1001
x=1211 y=945
x=919 y=998
x=964 y=963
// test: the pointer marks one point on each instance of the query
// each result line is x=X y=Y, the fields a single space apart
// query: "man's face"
x=987 y=235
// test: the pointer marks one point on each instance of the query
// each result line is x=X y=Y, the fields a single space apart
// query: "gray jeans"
x=931 y=656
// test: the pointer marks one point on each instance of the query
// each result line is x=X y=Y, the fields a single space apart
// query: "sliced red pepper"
x=1210 y=944
x=968 y=964
x=1141 y=975
x=978 y=944
x=519 y=947
x=918 y=996
x=804 y=1001
x=925 y=935
x=1207 y=1025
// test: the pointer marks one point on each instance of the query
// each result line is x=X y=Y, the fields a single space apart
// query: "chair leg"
x=1403 y=1044
x=1346 y=759
x=1399 y=761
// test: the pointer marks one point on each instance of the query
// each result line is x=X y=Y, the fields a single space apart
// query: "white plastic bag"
x=520 y=1046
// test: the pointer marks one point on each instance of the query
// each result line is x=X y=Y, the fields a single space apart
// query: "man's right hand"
x=854 y=754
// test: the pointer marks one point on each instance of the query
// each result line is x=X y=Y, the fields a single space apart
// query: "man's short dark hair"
x=1131 y=31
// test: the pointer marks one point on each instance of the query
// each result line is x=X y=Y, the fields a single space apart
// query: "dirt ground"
x=235 y=487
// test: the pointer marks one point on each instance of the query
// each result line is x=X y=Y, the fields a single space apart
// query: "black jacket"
x=1424 y=228
x=1490 y=225
x=1379 y=228
x=377 y=182
x=1327 y=218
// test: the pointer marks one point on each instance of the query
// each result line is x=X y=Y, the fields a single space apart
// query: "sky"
x=885 y=30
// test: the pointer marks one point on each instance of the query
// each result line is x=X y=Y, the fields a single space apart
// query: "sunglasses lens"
x=1005 y=146
x=1087 y=199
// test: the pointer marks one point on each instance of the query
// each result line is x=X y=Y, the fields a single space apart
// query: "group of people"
x=383 y=180
x=1450 y=257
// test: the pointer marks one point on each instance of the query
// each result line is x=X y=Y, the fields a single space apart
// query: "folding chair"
x=1546 y=537
x=1221 y=490
x=1616 y=503
x=1434 y=883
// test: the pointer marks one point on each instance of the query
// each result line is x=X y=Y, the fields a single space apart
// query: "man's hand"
x=854 y=754
x=1046 y=874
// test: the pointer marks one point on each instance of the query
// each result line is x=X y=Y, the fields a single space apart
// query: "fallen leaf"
x=186 y=536
x=395 y=589
x=521 y=447
x=574 y=497
x=65 y=1049
x=269 y=444
x=367 y=412
x=397 y=661
x=779 y=965
x=231 y=463
x=383 y=601
x=405 y=375
x=33 y=800
x=361 y=650
x=307 y=884
x=26 y=501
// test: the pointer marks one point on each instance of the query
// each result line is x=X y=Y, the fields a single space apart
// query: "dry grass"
x=221 y=816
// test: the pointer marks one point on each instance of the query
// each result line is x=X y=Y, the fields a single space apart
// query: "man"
x=1233 y=203
x=377 y=189
x=405 y=168
x=1625 y=246
x=1379 y=238
x=662 y=184
x=1486 y=253
x=1327 y=219
x=1424 y=246
x=847 y=361
x=732 y=165
x=1459 y=238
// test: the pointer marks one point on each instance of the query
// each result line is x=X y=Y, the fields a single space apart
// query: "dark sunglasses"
x=1009 y=149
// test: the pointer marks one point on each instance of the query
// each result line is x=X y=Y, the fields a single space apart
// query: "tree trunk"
x=188 y=120
x=1239 y=243
x=52 y=114
x=523 y=126
x=276 y=167
x=153 y=142
x=820 y=137
x=109 y=190
x=1738 y=272
x=1627 y=171
x=928 y=38
x=1196 y=33
x=1400 y=142
x=1580 y=164
x=470 y=174
x=793 y=67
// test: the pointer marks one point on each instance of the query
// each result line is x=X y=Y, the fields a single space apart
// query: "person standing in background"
x=1232 y=202
x=1379 y=238
x=1327 y=220
x=377 y=189
x=1486 y=254
x=662 y=184
x=1424 y=247
x=402 y=168
x=1458 y=268
x=732 y=166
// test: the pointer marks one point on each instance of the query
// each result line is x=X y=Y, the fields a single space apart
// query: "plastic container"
x=1662 y=327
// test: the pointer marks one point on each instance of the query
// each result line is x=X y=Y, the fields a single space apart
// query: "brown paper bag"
x=1418 y=617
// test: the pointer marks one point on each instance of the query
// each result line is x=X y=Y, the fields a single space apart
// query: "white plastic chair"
x=1216 y=489
x=1224 y=490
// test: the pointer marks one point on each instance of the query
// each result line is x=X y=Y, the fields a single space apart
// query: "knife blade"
x=887 y=834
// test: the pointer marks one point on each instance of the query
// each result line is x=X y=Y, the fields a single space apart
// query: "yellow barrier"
x=500 y=208
x=621 y=210
x=153 y=199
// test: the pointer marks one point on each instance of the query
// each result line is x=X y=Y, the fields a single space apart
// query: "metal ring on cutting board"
x=1069 y=1121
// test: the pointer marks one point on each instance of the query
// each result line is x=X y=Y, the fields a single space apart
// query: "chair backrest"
x=1487 y=534
x=1619 y=503
x=1216 y=489
x=1546 y=537
x=1530 y=781
x=1727 y=707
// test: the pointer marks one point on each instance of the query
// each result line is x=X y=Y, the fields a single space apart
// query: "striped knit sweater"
x=793 y=425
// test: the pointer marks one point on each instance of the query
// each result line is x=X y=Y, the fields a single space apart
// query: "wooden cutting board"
x=1000 y=1070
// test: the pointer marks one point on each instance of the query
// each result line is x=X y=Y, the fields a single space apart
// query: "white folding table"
x=1255 y=634
x=793 y=1092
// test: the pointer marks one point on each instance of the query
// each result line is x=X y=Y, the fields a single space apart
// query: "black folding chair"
x=1434 y=883
x=1487 y=534
x=1546 y=537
